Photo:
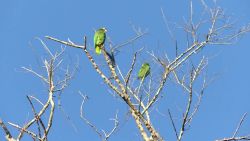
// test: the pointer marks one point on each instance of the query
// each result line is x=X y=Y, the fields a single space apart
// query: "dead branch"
x=32 y=134
x=122 y=92
x=239 y=125
x=8 y=135
x=105 y=136
x=234 y=138
x=173 y=124
x=132 y=40
x=50 y=66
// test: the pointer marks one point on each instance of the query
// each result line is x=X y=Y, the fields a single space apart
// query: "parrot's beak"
x=105 y=30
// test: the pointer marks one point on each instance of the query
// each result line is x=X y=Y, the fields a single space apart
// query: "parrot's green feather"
x=144 y=71
x=99 y=39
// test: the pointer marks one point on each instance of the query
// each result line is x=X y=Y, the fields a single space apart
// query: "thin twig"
x=116 y=124
x=129 y=41
x=84 y=98
x=172 y=121
x=35 y=73
x=239 y=125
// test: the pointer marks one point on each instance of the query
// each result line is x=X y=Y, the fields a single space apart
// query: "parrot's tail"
x=98 y=50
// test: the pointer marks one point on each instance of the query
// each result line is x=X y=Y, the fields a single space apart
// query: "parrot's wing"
x=98 y=40
x=99 y=37
x=141 y=73
x=144 y=71
x=147 y=71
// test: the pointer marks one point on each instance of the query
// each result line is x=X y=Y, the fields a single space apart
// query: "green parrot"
x=144 y=71
x=99 y=39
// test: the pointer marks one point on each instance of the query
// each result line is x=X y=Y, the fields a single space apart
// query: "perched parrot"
x=99 y=39
x=144 y=71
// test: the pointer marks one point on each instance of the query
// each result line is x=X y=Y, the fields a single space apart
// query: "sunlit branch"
x=8 y=135
x=24 y=130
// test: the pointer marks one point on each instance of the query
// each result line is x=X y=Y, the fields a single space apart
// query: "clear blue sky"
x=224 y=102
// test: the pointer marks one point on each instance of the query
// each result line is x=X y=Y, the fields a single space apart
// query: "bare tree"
x=214 y=27
x=51 y=67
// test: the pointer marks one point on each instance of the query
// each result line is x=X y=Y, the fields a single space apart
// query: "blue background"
x=224 y=102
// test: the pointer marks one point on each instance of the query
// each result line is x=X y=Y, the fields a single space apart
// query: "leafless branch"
x=84 y=98
x=122 y=93
x=33 y=97
x=219 y=29
x=173 y=124
x=38 y=121
x=107 y=135
x=127 y=78
x=35 y=73
x=185 y=117
x=239 y=125
x=196 y=107
x=24 y=130
x=154 y=99
x=236 y=138
x=132 y=40
x=50 y=65
x=8 y=135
